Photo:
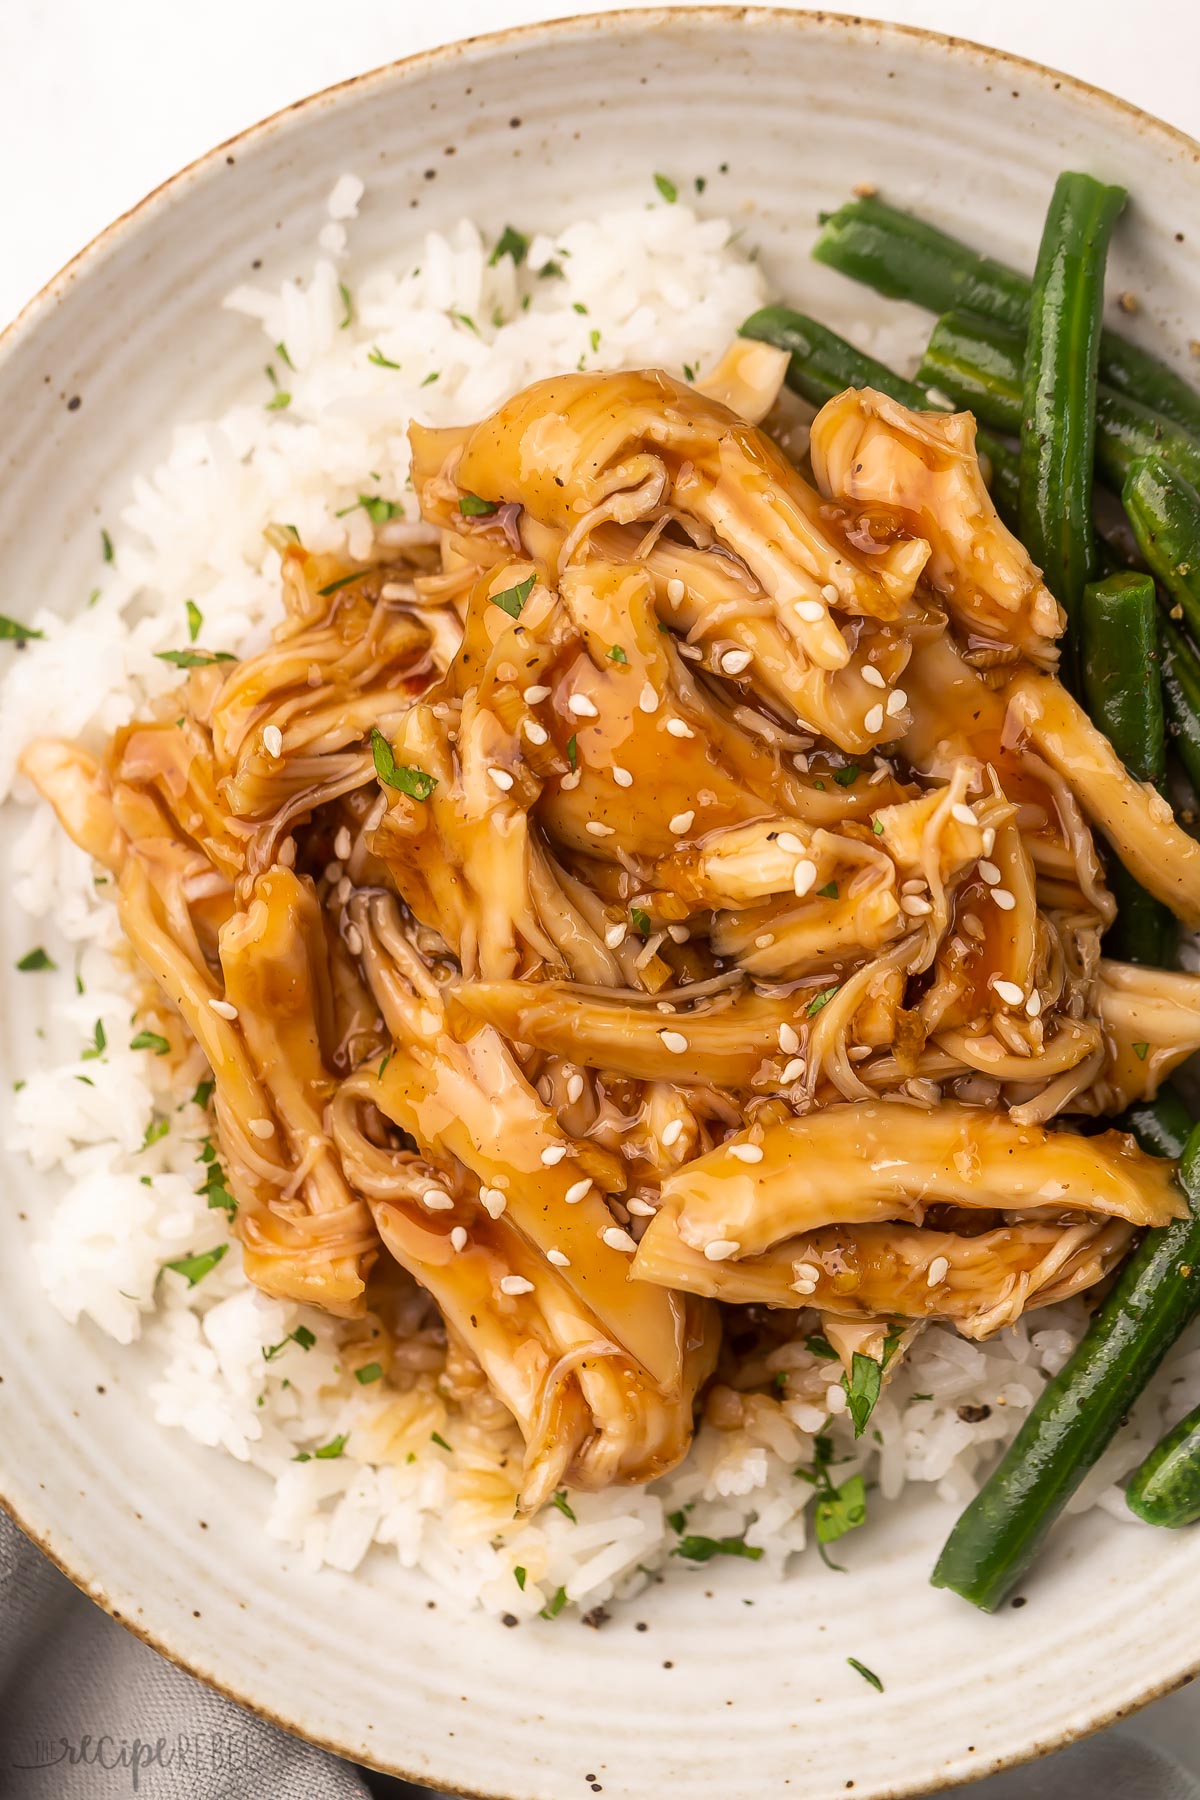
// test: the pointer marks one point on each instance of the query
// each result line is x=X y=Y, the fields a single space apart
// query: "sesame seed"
x=617 y=1239
x=720 y=1249
x=964 y=814
x=553 y=1153
x=533 y=696
x=572 y=780
x=830 y=593
x=675 y=590
x=492 y=1201
x=437 y=1200
x=1004 y=900
x=914 y=906
x=1010 y=993
x=806 y=1271
x=272 y=740
x=734 y=661
x=577 y=1191
x=793 y=1070
x=989 y=840
x=800 y=763
x=641 y=1209
x=678 y=934
x=679 y=728
x=873 y=721
x=515 y=1284
x=502 y=779
x=671 y=1131
x=872 y=677
x=597 y=829
x=789 y=1039
x=939 y=1268
x=990 y=872
x=692 y=652
x=896 y=703
x=674 y=1041
x=787 y=840
x=621 y=776
x=1033 y=1005
x=558 y=1259
x=262 y=1128
x=342 y=844
x=648 y=698
x=537 y=734
x=574 y=1088
x=811 y=611
x=803 y=876
x=804 y=1287
x=354 y=943
x=681 y=822
x=615 y=936
x=764 y=940
x=747 y=1153
x=458 y=1237
x=223 y=1009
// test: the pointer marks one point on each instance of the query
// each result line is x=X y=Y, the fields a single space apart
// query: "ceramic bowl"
x=714 y=1698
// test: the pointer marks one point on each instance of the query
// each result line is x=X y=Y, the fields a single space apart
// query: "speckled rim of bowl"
x=407 y=68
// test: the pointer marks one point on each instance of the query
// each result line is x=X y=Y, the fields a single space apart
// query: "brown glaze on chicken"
x=673 y=891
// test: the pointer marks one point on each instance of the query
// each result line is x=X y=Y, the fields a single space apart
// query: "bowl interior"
x=782 y=114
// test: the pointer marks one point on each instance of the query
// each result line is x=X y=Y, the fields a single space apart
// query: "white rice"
x=645 y=286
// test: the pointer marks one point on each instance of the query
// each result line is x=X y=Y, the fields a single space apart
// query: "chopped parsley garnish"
x=156 y=1130
x=98 y=1044
x=551 y=271
x=472 y=507
x=326 y=1453
x=331 y=587
x=703 y=1549
x=519 y=1577
x=553 y=1607
x=829 y=891
x=700 y=184
x=689 y=371
x=510 y=243
x=867 y=1674
x=641 y=920
x=106 y=546
x=282 y=352
x=437 y=1438
x=387 y=1057
x=862 y=1386
x=877 y=827
x=573 y=751
x=1140 y=1051
x=467 y=320
x=564 y=1506
x=368 y=1373
x=302 y=1336
x=594 y=340
x=12 y=628
x=846 y=777
x=195 y=1268
x=840 y=1509
x=203 y=1094
x=820 y=1346
x=195 y=619
x=91 y=600
x=279 y=400
x=579 y=307
x=431 y=378
x=194 y=659
x=513 y=599
x=375 y=355
x=666 y=188
x=820 y=786
x=678 y=1520
x=377 y=509
x=347 y=317
x=35 y=959
x=78 y=982
x=411 y=781
x=150 y=1040
x=616 y=654
x=213 y=1186
x=823 y=999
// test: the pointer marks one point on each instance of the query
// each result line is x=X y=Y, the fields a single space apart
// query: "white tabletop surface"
x=101 y=99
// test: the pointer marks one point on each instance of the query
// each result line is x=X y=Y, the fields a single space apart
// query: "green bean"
x=1164 y=511
x=823 y=364
x=1164 y=1489
x=1181 y=697
x=979 y=364
x=1123 y=691
x=1058 y=415
x=908 y=259
x=1078 y=1412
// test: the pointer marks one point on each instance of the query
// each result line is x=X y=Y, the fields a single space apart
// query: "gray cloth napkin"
x=82 y=1700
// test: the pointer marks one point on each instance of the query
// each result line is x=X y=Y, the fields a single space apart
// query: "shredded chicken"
x=670 y=886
